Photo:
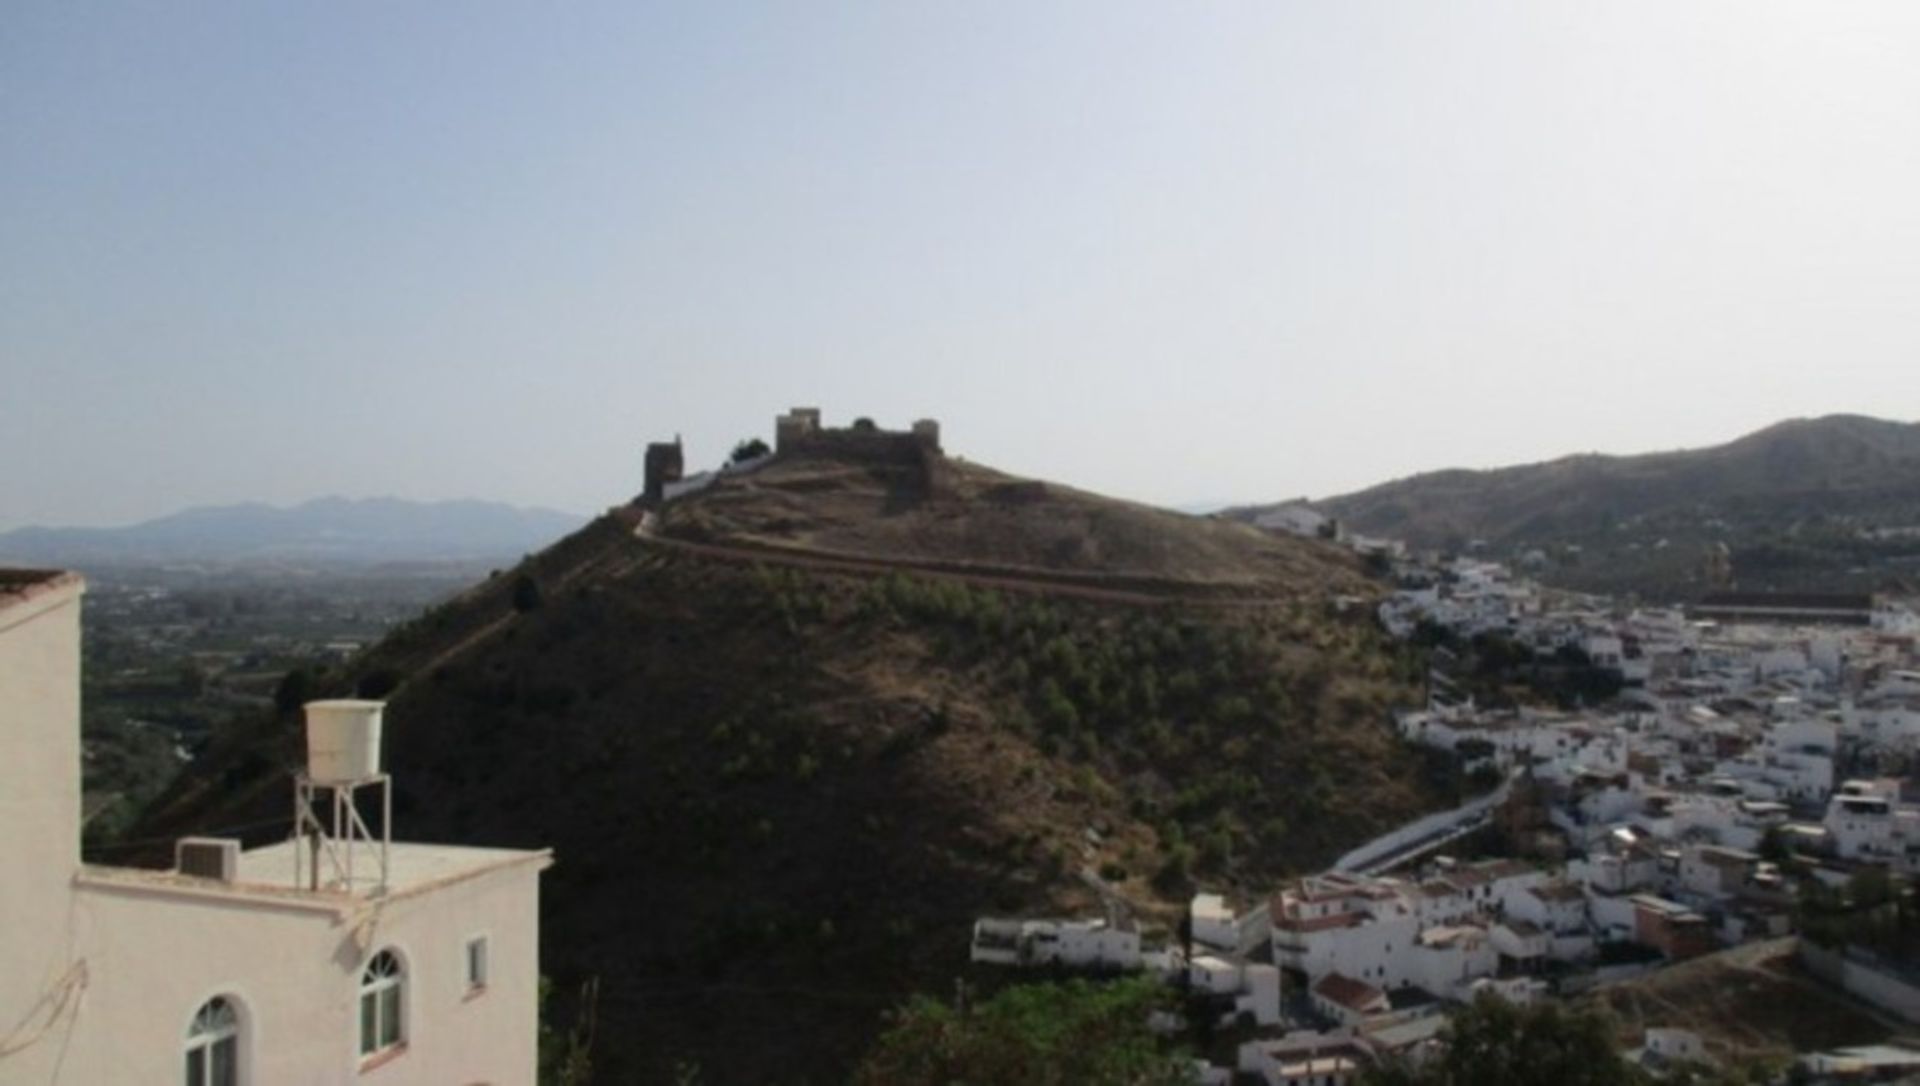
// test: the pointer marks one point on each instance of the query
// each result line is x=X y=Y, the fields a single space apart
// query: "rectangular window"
x=390 y=1016
x=369 y=1017
x=477 y=962
x=226 y=1063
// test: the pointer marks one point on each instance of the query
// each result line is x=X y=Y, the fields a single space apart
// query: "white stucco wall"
x=103 y=969
x=40 y=811
x=154 y=957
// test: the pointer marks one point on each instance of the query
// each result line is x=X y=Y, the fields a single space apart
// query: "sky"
x=1172 y=252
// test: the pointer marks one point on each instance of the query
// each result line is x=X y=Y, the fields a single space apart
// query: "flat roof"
x=17 y=586
x=1210 y=905
x=267 y=875
x=411 y=865
x=1558 y=891
x=1410 y=1032
x=1342 y=1060
x=1409 y=997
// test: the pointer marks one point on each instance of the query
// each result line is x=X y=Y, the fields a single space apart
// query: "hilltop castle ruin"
x=800 y=429
x=796 y=432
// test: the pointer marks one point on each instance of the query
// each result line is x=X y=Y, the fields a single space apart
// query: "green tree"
x=377 y=684
x=190 y=681
x=1494 y=1041
x=566 y=1055
x=1079 y=1032
x=526 y=593
x=1057 y=711
x=296 y=688
x=748 y=449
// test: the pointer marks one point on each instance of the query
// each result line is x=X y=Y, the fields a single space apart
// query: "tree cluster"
x=1076 y=1033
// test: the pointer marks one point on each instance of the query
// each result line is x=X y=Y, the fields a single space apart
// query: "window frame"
x=477 y=981
x=216 y=1022
x=384 y=990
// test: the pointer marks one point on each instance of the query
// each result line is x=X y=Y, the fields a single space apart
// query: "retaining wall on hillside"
x=1423 y=830
x=1859 y=977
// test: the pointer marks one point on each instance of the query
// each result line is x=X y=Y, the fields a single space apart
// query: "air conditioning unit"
x=208 y=857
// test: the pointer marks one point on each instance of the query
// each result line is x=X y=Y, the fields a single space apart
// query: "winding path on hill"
x=1145 y=591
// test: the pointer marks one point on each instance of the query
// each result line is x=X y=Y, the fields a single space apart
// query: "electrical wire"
x=141 y=842
x=55 y=1002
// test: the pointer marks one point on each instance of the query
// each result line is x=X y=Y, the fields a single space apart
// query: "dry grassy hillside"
x=779 y=796
x=1750 y=1004
x=941 y=511
x=1799 y=503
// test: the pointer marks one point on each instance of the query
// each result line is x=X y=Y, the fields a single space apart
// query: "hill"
x=1751 y=1003
x=1830 y=502
x=942 y=515
x=789 y=737
x=323 y=531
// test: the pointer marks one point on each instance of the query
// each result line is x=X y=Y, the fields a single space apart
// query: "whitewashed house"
x=263 y=966
x=1213 y=974
x=1446 y=960
x=1559 y=910
x=1306 y=1058
x=1335 y=923
x=1348 y=1002
x=1212 y=922
x=1083 y=944
x=1866 y=821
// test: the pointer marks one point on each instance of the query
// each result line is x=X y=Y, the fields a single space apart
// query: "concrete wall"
x=40 y=813
x=1213 y=923
x=1861 y=979
x=101 y=971
x=153 y=958
x=1433 y=826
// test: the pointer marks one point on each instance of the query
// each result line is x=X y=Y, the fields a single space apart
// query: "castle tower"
x=666 y=463
x=795 y=427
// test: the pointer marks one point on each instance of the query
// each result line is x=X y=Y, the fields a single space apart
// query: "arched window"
x=213 y=1045
x=382 y=994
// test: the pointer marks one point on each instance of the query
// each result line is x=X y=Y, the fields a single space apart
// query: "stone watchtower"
x=795 y=427
x=665 y=464
x=927 y=432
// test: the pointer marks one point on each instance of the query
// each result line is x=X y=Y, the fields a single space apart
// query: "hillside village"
x=1741 y=784
x=1649 y=790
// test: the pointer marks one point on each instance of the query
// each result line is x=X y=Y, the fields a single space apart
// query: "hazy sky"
x=1168 y=251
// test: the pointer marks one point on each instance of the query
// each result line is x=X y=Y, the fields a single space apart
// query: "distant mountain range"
x=351 y=531
x=1804 y=503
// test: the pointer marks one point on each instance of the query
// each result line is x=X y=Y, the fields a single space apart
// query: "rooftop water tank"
x=343 y=740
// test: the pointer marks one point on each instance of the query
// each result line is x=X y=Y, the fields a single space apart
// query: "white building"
x=1446 y=960
x=250 y=970
x=1212 y=922
x=1867 y=821
x=1214 y=974
x=1347 y=1001
x=1294 y=518
x=1559 y=911
x=1335 y=923
x=1079 y=944
x=1306 y=1058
